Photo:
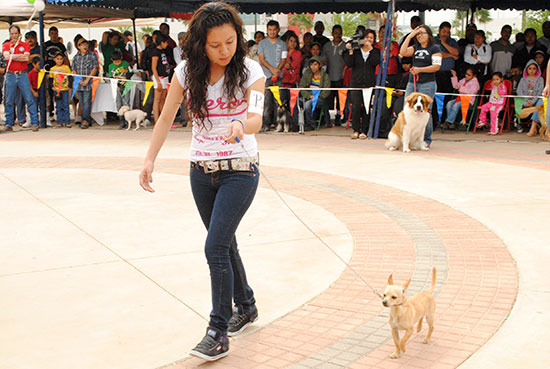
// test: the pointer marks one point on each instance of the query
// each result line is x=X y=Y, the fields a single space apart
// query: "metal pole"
x=387 y=48
x=42 y=90
x=381 y=77
x=135 y=39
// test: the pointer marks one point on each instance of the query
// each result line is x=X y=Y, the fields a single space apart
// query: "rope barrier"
x=301 y=88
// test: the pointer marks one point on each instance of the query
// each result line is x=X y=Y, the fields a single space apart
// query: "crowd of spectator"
x=419 y=61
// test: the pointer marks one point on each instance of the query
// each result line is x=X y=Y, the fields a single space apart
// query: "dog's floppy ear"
x=410 y=97
x=406 y=285
x=429 y=100
x=390 y=279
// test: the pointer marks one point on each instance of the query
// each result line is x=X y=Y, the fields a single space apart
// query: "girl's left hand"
x=235 y=130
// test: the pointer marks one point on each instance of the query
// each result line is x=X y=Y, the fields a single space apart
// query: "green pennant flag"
x=518 y=102
x=127 y=86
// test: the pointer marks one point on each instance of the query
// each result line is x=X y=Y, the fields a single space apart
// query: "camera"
x=357 y=40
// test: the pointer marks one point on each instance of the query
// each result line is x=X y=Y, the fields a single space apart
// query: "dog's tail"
x=432 y=287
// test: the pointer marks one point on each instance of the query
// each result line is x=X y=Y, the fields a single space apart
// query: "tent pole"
x=42 y=90
x=135 y=39
x=379 y=96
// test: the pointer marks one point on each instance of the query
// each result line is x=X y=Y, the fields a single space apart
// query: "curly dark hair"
x=197 y=68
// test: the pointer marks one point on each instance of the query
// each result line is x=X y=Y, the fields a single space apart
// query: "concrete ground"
x=97 y=273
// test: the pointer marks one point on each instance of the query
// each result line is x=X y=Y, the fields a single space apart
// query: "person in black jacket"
x=527 y=52
x=363 y=62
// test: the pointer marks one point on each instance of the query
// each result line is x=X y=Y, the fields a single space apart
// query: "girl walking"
x=224 y=91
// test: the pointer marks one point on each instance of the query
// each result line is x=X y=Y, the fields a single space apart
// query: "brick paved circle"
x=394 y=232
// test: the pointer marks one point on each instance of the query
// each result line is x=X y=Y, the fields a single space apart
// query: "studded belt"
x=237 y=164
x=17 y=72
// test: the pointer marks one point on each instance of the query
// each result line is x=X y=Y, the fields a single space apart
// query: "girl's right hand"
x=146 y=176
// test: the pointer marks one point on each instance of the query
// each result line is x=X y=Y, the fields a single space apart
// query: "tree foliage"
x=303 y=21
x=481 y=16
x=349 y=21
x=146 y=30
x=535 y=19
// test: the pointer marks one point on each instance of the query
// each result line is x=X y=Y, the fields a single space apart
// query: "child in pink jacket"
x=495 y=104
x=468 y=85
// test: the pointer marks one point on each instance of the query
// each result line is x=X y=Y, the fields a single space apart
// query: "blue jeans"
x=428 y=88
x=62 y=108
x=21 y=82
x=122 y=100
x=85 y=98
x=20 y=106
x=535 y=116
x=309 y=113
x=222 y=199
x=453 y=107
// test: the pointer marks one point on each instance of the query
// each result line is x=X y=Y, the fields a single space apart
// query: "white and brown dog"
x=135 y=115
x=410 y=126
x=406 y=313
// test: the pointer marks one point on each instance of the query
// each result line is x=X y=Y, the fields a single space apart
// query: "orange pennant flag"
x=293 y=97
x=95 y=83
x=60 y=78
x=342 y=95
x=465 y=101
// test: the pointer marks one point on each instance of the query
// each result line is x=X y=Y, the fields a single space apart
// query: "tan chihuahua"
x=404 y=313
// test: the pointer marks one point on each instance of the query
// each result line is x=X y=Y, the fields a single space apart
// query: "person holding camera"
x=363 y=58
x=426 y=61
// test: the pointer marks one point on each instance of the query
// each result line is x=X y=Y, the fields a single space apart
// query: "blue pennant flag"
x=439 y=100
x=76 y=83
x=315 y=98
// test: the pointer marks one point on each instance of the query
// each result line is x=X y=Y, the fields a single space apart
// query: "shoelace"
x=207 y=342
x=238 y=318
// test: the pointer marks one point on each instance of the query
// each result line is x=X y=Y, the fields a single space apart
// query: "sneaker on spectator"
x=7 y=129
x=35 y=128
x=213 y=346
x=241 y=319
x=78 y=119
x=48 y=121
x=26 y=125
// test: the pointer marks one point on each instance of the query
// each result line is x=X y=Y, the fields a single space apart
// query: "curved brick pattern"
x=345 y=326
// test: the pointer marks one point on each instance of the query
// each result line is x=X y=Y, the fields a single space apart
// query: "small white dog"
x=133 y=115
x=408 y=130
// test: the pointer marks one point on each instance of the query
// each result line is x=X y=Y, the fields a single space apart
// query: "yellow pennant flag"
x=41 y=75
x=545 y=104
x=275 y=91
x=148 y=86
x=389 y=96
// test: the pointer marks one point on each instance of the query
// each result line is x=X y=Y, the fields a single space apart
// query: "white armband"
x=284 y=55
x=436 y=60
x=256 y=102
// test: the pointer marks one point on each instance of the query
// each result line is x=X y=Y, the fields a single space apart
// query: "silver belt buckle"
x=210 y=167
